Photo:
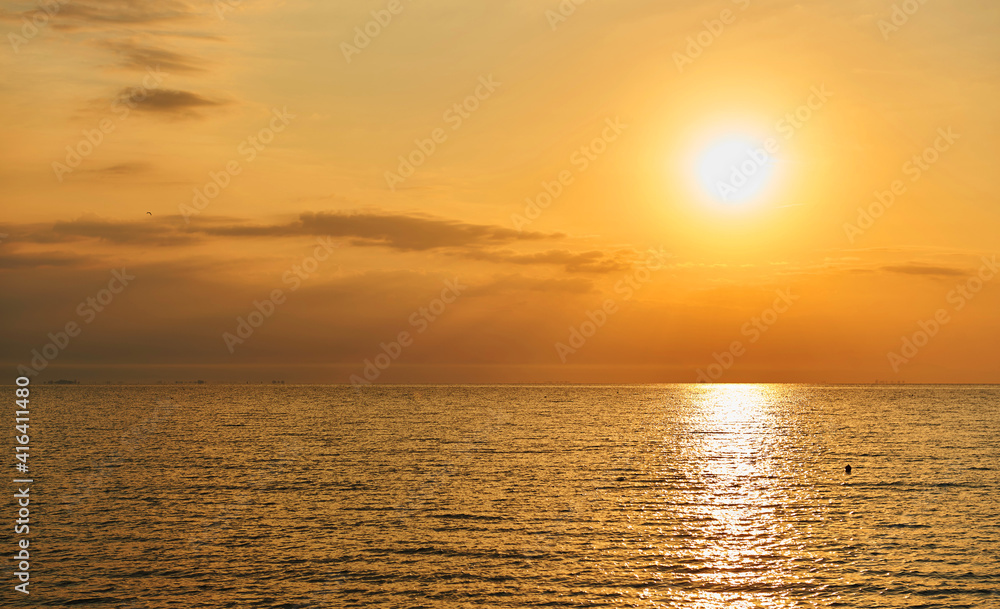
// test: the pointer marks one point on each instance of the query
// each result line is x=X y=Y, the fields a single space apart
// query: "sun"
x=736 y=169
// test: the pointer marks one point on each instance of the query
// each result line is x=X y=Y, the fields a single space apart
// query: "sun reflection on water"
x=731 y=495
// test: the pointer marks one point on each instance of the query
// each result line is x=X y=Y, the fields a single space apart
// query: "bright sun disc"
x=735 y=169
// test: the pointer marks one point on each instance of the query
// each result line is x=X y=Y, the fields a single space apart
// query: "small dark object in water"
x=620 y=478
x=847 y=469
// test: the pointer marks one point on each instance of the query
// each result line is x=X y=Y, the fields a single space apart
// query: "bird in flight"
x=149 y=212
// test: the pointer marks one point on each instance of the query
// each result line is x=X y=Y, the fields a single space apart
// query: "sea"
x=694 y=496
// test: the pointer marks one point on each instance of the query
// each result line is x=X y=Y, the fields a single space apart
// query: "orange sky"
x=570 y=174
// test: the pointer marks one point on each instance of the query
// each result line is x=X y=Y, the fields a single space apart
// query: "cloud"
x=399 y=232
x=78 y=14
x=120 y=169
x=395 y=231
x=146 y=233
x=13 y=260
x=583 y=262
x=167 y=101
x=520 y=283
x=925 y=269
x=136 y=56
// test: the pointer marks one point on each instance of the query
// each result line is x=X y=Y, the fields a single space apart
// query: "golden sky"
x=737 y=190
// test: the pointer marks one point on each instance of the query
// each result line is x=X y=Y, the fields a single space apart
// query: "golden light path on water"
x=733 y=498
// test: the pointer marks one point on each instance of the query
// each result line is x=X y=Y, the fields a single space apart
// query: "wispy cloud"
x=13 y=260
x=399 y=232
x=170 y=101
x=80 y=14
x=519 y=283
x=925 y=269
x=120 y=169
x=577 y=262
x=137 y=56
x=395 y=231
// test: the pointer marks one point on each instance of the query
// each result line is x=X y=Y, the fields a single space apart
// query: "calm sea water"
x=470 y=496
